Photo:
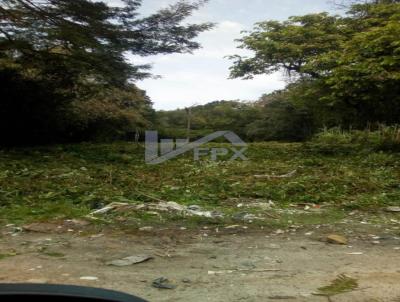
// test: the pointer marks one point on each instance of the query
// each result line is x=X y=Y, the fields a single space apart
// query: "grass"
x=69 y=181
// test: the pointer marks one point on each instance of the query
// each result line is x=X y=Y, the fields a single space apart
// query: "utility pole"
x=188 y=122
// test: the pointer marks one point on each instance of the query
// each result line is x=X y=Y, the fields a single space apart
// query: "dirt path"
x=210 y=266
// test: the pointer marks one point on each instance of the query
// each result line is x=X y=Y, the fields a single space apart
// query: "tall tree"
x=81 y=51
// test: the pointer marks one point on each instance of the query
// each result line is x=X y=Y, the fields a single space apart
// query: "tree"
x=78 y=50
x=290 y=45
x=347 y=68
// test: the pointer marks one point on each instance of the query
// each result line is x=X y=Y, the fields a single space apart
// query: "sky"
x=202 y=77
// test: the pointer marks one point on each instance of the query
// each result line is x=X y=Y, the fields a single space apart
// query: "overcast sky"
x=202 y=77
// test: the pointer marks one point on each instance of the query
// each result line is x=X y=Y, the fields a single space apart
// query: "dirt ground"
x=209 y=264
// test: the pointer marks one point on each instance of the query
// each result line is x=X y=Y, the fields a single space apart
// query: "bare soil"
x=210 y=264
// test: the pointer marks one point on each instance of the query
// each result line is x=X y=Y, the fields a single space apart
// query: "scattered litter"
x=88 y=278
x=162 y=206
x=130 y=260
x=392 y=209
x=162 y=283
x=279 y=231
x=355 y=253
x=336 y=239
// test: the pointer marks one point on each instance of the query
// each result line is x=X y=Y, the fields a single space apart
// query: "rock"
x=392 y=209
x=76 y=222
x=162 y=283
x=336 y=239
x=41 y=227
x=130 y=260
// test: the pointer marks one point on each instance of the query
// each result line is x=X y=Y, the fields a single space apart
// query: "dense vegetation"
x=67 y=181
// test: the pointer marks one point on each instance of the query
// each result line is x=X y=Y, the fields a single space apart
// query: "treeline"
x=344 y=71
x=64 y=70
x=65 y=74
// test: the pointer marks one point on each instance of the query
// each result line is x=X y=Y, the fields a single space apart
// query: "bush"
x=383 y=138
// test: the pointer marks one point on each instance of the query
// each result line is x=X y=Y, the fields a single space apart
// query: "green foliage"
x=385 y=138
x=68 y=181
x=205 y=119
x=345 y=70
x=342 y=284
x=291 y=45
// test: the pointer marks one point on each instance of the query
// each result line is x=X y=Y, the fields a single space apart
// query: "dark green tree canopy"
x=91 y=39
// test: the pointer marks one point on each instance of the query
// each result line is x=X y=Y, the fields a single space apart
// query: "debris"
x=392 y=209
x=162 y=283
x=130 y=260
x=89 y=278
x=336 y=239
x=146 y=228
x=234 y=226
x=342 y=284
x=209 y=214
x=186 y=280
x=109 y=207
x=355 y=253
x=244 y=216
x=279 y=231
x=194 y=208
x=290 y=174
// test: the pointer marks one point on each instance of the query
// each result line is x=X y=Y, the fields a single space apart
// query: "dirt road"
x=206 y=265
